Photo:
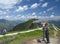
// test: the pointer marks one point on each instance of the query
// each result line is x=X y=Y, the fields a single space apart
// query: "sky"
x=26 y=9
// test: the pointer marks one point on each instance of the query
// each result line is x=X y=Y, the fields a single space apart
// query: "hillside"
x=8 y=24
x=26 y=25
x=20 y=38
x=57 y=23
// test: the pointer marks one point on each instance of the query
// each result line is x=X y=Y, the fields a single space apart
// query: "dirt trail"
x=54 y=40
x=34 y=41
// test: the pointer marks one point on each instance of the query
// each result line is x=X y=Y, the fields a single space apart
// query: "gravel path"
x=34 y=41
x=54 y=40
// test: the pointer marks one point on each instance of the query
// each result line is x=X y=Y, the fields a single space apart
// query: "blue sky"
x=26 y=9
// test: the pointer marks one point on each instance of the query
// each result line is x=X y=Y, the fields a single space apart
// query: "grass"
x=51 y=30
x=51 y=33
x=4 y=38
x=21 y=37
x=58 y=34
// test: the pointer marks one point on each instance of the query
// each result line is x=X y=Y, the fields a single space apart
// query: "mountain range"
x=6 y=24
x=9 y=25
x=56 y=22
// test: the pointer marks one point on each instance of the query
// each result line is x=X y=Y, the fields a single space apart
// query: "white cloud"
x=3 y=17
x=35 y=5
x=7 y=16
x=22 y=8
x=5 y=4
x=3 y=12
x=44 y=11
x=22 y=17
x=50 y=9
x=41 y=0
x=52 y=16
x=13 y=17
x=19 y=17
x=47 y=10
x=33 y=13
x=45 y=4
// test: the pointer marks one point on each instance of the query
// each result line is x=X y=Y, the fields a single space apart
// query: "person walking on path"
x=47 y=31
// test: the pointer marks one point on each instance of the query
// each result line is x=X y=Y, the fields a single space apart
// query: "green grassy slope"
x=30 y=35
x=26 y=25
x=58 y=34
x=22 y=37
x=23 y=26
